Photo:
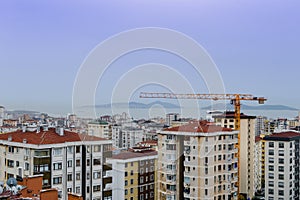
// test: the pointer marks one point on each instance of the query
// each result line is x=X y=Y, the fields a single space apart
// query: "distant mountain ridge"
x=138 y=105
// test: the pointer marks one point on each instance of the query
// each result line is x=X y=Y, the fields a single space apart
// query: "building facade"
x=99 y=128
x=282 y=166
x=247 y=150
x=197 y=161
x=134 y=174
x=68 y=161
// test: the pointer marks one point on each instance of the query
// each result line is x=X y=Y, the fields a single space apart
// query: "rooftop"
x=130 y=154
x=283 y=136
x=230 y=114
x=46 y=137
x=99 y=122
x=199 y=127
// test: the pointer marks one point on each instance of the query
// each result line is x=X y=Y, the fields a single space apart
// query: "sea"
x=158 y=112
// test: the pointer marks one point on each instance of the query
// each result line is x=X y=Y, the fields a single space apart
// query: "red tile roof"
x=199 y=127
x=129 y=154
x=288 y=134
x=258 y=138
x=47 y=137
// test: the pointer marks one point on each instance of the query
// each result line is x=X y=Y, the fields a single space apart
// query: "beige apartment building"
x=247 y=150
x=197 y=161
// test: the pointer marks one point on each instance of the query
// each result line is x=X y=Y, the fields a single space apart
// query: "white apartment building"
x=69 y=161
x=258 y=161
x=134 y=173
x=126 y=137
x=282 y=166
x=247 y=150
x=197 y=161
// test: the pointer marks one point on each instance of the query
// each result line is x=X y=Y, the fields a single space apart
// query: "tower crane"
x=235 y=99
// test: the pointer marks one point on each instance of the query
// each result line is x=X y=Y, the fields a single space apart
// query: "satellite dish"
x=19 y=187
x=11 y=182
x=1 y=189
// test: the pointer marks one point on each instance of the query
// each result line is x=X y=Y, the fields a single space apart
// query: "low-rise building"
x=134 y=174
x=68 y=161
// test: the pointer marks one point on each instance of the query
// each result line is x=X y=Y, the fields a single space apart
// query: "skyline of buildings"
x=188 y=159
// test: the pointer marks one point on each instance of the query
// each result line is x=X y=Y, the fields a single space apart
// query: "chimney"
x=38 y=129
x=45 y=128
x=23 y=129
x=9 y=138
x=60 y=131
x=24 y=140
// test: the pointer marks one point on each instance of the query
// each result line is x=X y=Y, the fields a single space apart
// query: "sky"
x=254 y=44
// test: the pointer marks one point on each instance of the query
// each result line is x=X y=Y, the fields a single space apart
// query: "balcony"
x=107 y=174
x=108 y=187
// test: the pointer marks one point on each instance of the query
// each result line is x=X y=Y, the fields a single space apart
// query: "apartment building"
x=125 y=137
x=197 y=161
x=134 y=173
x=258 y=161
x=282 y=166
x=68 y=161
x=99 y=128
x=247 y=150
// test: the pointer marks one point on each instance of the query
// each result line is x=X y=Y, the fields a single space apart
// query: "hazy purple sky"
x=255 y=44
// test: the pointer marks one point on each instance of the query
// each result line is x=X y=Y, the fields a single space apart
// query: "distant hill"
x=247 y=107
x=138 y=105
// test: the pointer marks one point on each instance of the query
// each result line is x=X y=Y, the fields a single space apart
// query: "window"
x=26 y=166
x=271 y=160
x=78 y=190
x=141 y=162
x=126 y=182
x=281 y=177
x=96 y=188
x=57 y=151
x=281 y=168
x=142 y=171
x=97 y=161
x=271 y=168
x=69 y=163
x=271 y=152
x=281 y=145
x=281 y=161
x=77 y=149
x=271 y=183
x=57 y=166
x=151 y=177
x=131 y=181
x=131 y=173
x=69 y=177
x=10 y=163
x=97 y=148
x=281 y=184
x=97 y=175
x=271 y=191
x=271 y=144
x=281 y=192
x=77 y=176
x=78 y=163
x=57 y=180
x=11 y=149
x=131 y=190
x=141 y=179
x=70 y=149
x=88 y=162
